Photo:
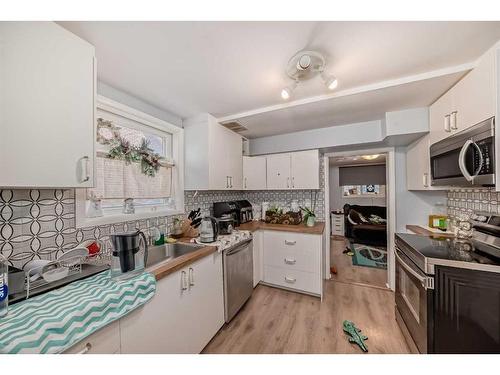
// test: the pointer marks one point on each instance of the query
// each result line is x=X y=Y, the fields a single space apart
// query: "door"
x=238 y=278
x=218 y=157
x=47 y=106
x=305 y=170
x=254 y=173
x=418 y=165
x=257 y=257
x=414 y=300
x=205 y=305
x=437 y=117
x=160 y=326
x=467 y=311
x=278 y=171
x=235 y=160
x=475 y=94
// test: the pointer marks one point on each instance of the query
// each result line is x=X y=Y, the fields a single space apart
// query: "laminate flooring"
x=280 y=321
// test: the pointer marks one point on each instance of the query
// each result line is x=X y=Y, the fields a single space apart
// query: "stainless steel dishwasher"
x=238 y=277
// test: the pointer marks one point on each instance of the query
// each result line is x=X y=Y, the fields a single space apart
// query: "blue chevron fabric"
x=55 y=321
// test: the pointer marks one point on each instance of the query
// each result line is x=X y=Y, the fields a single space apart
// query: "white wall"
x=412 y=207
x=337 y=200
x=413 y=120
x=134 y=102
x=363 y=132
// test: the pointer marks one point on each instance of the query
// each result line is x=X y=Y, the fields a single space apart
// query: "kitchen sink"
x=170 y=251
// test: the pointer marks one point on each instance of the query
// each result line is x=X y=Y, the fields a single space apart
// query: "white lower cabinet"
x=183 y=316
x=104 y=341
x=293 y=260
x=257 y=258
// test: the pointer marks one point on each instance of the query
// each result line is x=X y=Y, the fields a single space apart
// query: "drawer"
x=291 y=241
x=294 y=279
x=292 y=258
x=104 y=341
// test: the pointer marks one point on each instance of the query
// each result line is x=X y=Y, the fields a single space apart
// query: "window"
x=359 y=191
x=117 y=177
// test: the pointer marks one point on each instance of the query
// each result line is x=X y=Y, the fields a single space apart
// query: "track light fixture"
x=305 y=65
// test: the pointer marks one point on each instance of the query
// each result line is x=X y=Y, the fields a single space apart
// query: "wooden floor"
x=278 y=321
x=349 y=273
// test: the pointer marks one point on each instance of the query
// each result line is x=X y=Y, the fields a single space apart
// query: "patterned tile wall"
x=41 y=223
x=473 y=200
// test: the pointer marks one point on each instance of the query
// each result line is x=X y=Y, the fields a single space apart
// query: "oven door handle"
x=427 y=282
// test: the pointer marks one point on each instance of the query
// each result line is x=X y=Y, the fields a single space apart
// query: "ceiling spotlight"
x=370 y=157
x=330 y=81
x=287 y=91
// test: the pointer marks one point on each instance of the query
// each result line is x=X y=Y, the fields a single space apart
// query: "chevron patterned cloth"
x=55 y=321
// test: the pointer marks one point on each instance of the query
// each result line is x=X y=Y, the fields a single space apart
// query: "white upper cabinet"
x=470 y=101
x=254 y=173
x=305 y=170
x=278 y=171
x=295 y=170
x=47 y=106
x=213 y=155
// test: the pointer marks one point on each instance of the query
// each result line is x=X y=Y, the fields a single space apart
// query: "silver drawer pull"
x=183 y=280
x=85 y=349
x=290 y=261
x=290 y=280
x=290 y=242
x=191 y=277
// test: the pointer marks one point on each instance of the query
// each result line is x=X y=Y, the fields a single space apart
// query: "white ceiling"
x=225 y=68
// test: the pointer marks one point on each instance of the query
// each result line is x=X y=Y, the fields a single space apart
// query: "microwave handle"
x=461 y=160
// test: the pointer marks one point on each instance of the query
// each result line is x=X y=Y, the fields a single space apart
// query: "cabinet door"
x=475 y=94
x=218 y=158
x=418 y=165
x=234 y=157
x=160 y=326
x=258 y=265
x=205 y=305
x=437 y=113
x=47 y=107
x=278 y=171
x=466 y=311
x=305 y=170
x=104 y=341
x=254 y=173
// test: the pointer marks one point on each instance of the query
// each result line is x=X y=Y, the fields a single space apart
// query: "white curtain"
x=117 y=180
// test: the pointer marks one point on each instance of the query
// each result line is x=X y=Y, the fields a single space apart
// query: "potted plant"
x=309 y=216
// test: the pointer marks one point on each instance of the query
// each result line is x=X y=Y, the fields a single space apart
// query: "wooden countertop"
x=252 y=226
x=417 y=229
x=164 y=269
x=170 y=266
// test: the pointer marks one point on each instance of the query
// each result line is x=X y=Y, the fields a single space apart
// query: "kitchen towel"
x=55 y=321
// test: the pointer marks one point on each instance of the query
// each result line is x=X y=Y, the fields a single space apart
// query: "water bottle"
x=4 y=289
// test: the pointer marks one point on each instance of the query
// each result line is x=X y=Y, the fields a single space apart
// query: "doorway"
x=358 y=198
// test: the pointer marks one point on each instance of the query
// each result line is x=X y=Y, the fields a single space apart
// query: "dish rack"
x=76 y=267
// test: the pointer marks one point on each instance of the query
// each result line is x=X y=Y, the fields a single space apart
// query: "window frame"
x=142 y=212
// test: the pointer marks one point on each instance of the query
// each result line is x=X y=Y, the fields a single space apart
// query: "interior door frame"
x=390 y=193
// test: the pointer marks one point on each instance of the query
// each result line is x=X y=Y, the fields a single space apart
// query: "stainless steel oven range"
x=448 y=291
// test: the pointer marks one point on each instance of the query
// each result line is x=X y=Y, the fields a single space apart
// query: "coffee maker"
x=128 y=257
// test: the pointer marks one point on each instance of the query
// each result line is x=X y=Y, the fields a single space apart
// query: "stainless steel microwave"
x=466 y=158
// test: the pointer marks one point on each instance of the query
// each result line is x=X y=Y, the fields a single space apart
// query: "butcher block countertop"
x=418 y=229
x=253 y=226
x=164 y=269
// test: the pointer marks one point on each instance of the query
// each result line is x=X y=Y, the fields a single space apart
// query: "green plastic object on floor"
x=356 y=336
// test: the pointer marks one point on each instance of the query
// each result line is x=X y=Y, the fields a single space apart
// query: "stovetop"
x=427 y=251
